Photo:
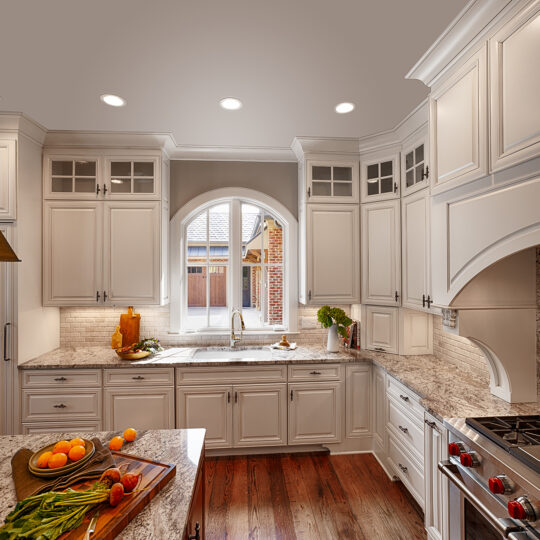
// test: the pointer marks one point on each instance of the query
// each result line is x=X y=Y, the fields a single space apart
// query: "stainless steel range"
x=494 y=473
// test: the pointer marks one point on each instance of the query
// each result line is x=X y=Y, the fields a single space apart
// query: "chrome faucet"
x=234 y=338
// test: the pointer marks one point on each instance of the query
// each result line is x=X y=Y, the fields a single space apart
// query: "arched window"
x=234 y=253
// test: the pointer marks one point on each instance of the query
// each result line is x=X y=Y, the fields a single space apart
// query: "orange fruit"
x=62 y=446
x=77 y=452
x=76 y=442
x=130 y=434
x=57 y=460
x=116 y=443
x=43 y=460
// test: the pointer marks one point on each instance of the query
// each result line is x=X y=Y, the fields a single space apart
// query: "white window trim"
x=178 y=274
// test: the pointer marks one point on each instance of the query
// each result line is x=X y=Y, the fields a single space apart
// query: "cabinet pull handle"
x=314 y=372
x=396 y=296
x=228 y=397
x=395 y=187
x=104 y=189
x=404 y=398
x=403 y=469
x=379 y=349
x=97 y=189
x=431 y=424
x=138 y=378
x=7 y=326
x=309 y=295
x=236 y=397
x=429 y=301
x=425 y=174
x=97 y=296
x=197 y=535
x=104 y=296
x=291 y=395
x=423 y=300
x=309 y=192
x=403 y=429
x=60 y=379
x=61 y=406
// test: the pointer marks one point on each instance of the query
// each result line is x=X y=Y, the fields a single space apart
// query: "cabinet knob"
x=60 y=379
x=61 y=406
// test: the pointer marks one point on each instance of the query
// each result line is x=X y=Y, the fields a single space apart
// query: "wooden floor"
x=307 y=497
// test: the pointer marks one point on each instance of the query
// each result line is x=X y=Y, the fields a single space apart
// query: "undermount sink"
x=258 y=353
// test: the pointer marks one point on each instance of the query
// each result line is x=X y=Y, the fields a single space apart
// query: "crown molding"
x=342 y=147
x=231 y=153
x=18 y=123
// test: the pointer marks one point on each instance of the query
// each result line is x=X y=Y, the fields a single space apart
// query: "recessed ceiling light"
x=112 y=100
x=343 y=108
x=231 y=103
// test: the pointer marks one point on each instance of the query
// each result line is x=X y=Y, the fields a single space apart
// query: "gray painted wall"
x=191 y=178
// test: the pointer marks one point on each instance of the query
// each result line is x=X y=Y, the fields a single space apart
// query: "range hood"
x=496 y=310
x=6 y=252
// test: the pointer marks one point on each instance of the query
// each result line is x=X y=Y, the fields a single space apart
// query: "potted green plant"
x=337 y=321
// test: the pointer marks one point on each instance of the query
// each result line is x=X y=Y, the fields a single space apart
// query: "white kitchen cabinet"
x=332 y=182
x=380 y=326
x=514 y=53
x=414 y=164
x=61 y=427
x=416 y=263
x=436 y=484
x=315 y=412
x=72 y=253
x=379 y=178
x=381 y=253
x=358 y=401
x=132 y=178
x=72 y=176
x=260 y=415
x=140 y=408
x=8 y=180
x=379 y=412
x=332 y=254
x=458 y=124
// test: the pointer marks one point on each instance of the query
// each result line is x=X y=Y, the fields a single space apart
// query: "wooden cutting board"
x=112 y=520
x=129 y=327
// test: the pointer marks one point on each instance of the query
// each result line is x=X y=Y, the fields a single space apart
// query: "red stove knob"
x=499 y=484
x=522 y=509
x=469 y=459
x=456 y=448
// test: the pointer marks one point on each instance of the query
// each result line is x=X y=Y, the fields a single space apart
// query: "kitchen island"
x=169 y=513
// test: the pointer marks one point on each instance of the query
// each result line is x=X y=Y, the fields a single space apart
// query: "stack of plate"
x=68 y=468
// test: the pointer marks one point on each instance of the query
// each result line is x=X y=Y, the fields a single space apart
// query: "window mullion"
x=207 y=268
x=235 y=257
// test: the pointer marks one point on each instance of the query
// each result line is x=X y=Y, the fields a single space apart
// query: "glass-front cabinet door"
x=379 y=177
x=132 y=178
x=72 y=177
x=414 y=166
x=332 y=182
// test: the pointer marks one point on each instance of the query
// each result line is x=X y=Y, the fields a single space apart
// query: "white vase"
x=332 y=344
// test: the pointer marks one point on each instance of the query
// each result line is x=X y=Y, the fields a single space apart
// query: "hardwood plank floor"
x=307 y=497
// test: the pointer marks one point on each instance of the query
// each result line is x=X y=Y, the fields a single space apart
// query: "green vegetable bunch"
x=328 y=316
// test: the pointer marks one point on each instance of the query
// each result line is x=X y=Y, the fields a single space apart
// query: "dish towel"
x=26 y=484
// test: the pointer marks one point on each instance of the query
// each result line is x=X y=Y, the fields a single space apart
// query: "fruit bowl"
x=69 y=467
x=129 y=355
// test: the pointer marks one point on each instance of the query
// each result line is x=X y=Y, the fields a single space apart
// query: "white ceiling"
x=290 y=62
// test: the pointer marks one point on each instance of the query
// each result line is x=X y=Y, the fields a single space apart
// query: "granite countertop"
x=167 y=514
x=445 y=391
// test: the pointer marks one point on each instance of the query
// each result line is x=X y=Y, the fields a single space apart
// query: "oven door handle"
x=504 y=526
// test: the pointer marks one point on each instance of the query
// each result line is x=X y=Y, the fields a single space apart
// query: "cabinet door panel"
x=333 y=253
x=72 y=253
x=415 y=232
x=358 y=394
x=381 y=328
x=379 y=408
x=381 y=253
x=315 y=413
x=206 y=407
x=148 y=408
x=8 y=180
x=132 y=252
x=260 y=415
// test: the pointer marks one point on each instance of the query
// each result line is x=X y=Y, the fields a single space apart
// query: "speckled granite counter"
x=166 y=515
x=445 y=391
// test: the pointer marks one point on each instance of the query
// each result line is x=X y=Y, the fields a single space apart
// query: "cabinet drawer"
x=315 y=372
x=406 y=470
x=230 y=375
x=61 y=427
x=407 y=430
x=408 y=400
x=54 y=405
x=58 y=378
x=138 y=377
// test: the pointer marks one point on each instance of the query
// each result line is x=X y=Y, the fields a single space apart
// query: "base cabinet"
x=358 y=401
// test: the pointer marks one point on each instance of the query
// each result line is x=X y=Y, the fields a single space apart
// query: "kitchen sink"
x=248 y=353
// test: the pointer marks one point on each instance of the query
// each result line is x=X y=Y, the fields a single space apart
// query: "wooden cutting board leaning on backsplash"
x=130 y=324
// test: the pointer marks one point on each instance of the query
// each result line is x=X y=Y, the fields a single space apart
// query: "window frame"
x=178 y=254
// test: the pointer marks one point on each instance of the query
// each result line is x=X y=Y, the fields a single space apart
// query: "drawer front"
x=315 y=372
x=59 y=378
x=61 y=427
x=408 y=399
x=406 y=470
x=230 y=375
x=407 y=430
x=53 y=405
x=139 y=377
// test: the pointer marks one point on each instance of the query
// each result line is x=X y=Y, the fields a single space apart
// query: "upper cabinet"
x=129 y=178
x=458 y=124
x=380 y=176
x=332 y=182
x=414 y=165
x=515 y=89
x=71 y=177
x=8 y=180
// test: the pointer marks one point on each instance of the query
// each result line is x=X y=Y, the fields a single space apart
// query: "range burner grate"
x=508 y=431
